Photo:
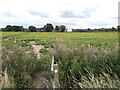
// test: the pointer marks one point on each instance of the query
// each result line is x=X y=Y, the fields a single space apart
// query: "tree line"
x=97 y=30
x=49 y=28
x=46 y=28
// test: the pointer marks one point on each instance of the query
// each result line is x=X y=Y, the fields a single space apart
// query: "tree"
x=88 y=29
x=62 y=28
x=113 y=29
x=38 y=29
x=8 y=28
x=118 y=28
x=13 y=28
x=48 y=27
x=57 y=28
x=17 y=28
x=32 y=29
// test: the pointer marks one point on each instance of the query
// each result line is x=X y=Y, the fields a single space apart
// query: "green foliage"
x=46 y=46
x=52 y=46
x=48 y=27
x=23 y=66
x=57 y=28
x=43 y=51
x=23 y=44
x=7 y=44
x=8 y=28
x=80 y=61
x=97 y=40
x=85 y=59
x=17 y=28
x=32 y=29
x=118 y=27
x=14 y=28
x=63 y=28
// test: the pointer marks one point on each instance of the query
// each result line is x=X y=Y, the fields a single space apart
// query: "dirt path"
x=8 y=38
x=41 y=80
x=36 y=48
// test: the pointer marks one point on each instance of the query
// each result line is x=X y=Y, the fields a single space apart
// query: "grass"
x=86 y=60
x=87 y=67
x=20 y=65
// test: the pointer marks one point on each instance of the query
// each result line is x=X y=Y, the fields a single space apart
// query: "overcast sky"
x=71 y=13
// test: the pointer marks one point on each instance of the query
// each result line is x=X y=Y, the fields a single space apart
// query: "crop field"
x=97 y=39
x=85 y=60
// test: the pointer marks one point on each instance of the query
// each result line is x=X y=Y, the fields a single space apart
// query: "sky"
x=71 y=13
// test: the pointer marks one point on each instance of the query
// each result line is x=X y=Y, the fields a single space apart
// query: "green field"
x=85 y=60
x=96 y=39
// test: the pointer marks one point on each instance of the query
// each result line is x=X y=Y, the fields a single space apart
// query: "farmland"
x=86 y=60
x=105 y=39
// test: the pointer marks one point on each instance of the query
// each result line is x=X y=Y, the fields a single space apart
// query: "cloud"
x=114 y=17
x=86 y=13
x=37 y=13
x=70 y=14
x=8 y=14
x=97 y=23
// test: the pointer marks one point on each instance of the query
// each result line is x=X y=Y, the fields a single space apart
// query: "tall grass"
x=20 y=66
x=79 y=66
x=87 y=67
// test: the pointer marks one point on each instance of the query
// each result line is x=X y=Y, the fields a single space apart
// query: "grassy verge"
x=87 y=67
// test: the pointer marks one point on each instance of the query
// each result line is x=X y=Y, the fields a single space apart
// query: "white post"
x=56 y=78
x=52 y=64
x=54 y=69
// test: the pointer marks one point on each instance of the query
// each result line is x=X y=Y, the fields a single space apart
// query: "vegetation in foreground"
x=87 y=67
x=91 y=62
x=20 y=65
x=79 y=67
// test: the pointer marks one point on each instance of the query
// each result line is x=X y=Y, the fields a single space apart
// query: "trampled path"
x=36 y=48
x=41 y=80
